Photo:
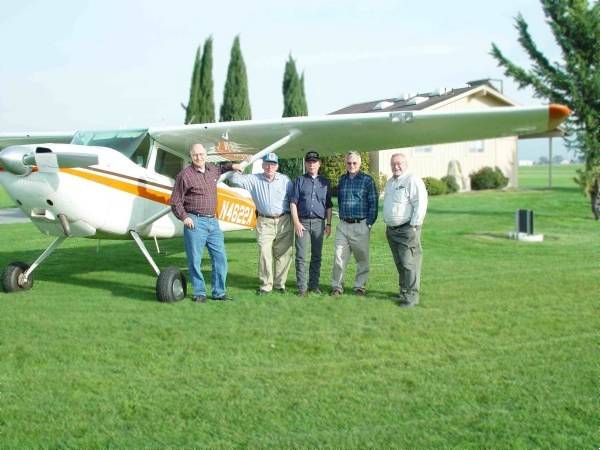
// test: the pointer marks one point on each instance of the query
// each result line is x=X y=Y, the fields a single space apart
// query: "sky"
x=81 y=64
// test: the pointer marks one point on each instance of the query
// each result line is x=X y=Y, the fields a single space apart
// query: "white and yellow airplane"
x=116 y=184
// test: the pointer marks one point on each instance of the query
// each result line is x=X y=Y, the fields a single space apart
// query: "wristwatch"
x=327 y=224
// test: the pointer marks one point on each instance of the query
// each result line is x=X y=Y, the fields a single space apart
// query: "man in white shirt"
x=404 y=208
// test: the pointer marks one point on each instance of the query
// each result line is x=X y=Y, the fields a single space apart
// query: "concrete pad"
x=12 y=215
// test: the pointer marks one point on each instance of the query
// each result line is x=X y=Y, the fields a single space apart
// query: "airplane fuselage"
x=110 y=198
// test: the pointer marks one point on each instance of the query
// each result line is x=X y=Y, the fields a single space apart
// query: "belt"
x=399 y=226
x=272 y=217
x=210 y=216
x=353 y=220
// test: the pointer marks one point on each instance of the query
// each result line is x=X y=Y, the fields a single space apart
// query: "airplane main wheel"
x=171 y=285
x=13 y=277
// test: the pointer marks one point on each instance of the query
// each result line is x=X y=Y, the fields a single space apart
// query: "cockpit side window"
x=140 y=155
x=167 y=163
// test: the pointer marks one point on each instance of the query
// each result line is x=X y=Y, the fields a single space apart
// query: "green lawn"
x=5 y=200
x=537 y=176
x=502 y=352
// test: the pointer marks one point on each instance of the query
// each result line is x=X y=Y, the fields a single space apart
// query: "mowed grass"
x=5 y=200
x=501 y=353
x=537 y=177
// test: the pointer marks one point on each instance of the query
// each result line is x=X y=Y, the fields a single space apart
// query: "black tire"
x=171 y=285
x=11 y=275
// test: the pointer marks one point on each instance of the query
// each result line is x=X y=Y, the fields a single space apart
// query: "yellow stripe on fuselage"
x=225 y=198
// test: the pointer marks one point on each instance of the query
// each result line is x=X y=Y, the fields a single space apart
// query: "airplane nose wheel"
x=171 y=285
x=13 y=277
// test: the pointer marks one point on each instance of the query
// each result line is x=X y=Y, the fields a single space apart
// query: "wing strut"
x=270 y=149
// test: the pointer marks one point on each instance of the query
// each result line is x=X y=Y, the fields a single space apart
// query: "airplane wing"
x=8 y=139
x=333 y=134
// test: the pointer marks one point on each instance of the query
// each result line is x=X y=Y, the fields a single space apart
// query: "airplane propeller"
x=20 y=159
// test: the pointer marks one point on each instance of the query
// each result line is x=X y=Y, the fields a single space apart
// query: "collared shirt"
x=312 y=196
x=405 y=201
x=357 y=197
x=195 y=191
x=271 y=198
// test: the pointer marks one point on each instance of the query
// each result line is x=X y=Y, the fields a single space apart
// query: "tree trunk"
x=595 y=198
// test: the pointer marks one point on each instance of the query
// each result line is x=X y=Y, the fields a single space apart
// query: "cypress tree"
x=205 y=100
x=303 y=104
x=191 y=109
x=294 y=105
x=236 y=103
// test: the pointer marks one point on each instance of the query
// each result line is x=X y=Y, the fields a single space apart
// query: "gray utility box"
x=524 y=219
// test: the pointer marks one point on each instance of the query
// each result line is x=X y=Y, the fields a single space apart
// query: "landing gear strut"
x=171 y=285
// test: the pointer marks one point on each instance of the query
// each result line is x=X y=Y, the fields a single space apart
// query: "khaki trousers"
x=351 y=238
x=405 y=244
x=275 y=238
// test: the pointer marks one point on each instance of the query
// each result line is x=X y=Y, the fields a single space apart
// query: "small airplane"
x=116 y=184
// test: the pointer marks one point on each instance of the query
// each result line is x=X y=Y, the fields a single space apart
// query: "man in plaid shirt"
x=357 y=203
x=194 y=202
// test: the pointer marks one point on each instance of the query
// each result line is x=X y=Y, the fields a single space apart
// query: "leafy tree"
x=575 y=81
x=236 y=103
x=294 y=105
x=190 y=109
x=205 y=100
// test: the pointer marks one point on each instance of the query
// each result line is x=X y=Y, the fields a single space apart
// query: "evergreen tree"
x=190 y=110
x=205 y=99
x=574 y=82
x=303 y=105
x=236 y=103
x=294 y=105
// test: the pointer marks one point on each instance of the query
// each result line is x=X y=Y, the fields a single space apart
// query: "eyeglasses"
x=352 y=163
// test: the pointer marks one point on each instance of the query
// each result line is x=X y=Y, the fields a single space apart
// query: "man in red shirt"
x=194 y=202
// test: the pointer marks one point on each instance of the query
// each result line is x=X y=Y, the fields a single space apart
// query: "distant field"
x=537 y=176
x=502 y=352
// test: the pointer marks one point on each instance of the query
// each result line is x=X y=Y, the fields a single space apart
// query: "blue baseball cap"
x=271 y=158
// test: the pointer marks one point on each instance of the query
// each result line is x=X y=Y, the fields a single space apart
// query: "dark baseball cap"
x=312 y=156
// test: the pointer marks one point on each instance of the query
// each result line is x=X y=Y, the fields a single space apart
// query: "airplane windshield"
x=135 y=144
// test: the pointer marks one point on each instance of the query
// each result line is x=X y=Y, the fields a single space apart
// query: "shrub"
x=451 y=184
x=488 y=178
x=380 y=181
x=333 y=167
x=435 y=186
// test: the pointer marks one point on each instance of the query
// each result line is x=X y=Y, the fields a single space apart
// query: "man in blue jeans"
x=310 y=205
x=194 y=202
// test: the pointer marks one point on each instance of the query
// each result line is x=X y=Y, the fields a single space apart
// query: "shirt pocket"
x=358 y=195
x=401 y=195
x=321 y=192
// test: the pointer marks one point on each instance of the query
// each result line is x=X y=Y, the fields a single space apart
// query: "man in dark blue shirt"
x=310 y=205
x=357 y=201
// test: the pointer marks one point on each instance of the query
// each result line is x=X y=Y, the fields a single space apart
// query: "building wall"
x=433 y=161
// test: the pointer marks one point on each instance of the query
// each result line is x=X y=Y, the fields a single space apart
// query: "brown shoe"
x=302 y=293
x=360 y=291
x=335 y=292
